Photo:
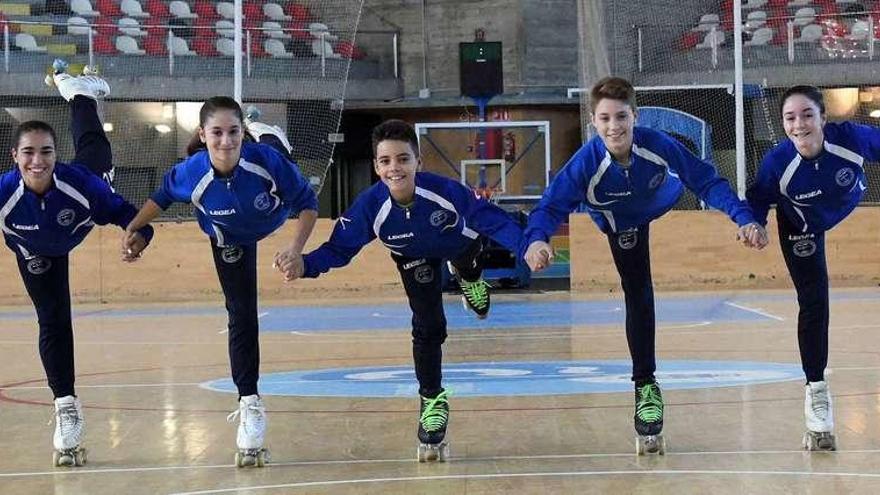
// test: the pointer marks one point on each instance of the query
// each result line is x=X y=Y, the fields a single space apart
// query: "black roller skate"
x=649 y=420
x=433 y=418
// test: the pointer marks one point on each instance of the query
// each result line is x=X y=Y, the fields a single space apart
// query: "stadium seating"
x=131 y=27
x=206 y=9
x=133 y=8
x=275 y=12
x=104 y=45
x=713 y=38
x=28 y=43
x=180 y=10
x=273 y=30
x=179 y=47
x=78 y=26
x=83 y=8
x=156 y=45
x=108 y=8
x=205 y=47
x=760 y=37
x=276 y=48
x=156 y=8
x=128 y=46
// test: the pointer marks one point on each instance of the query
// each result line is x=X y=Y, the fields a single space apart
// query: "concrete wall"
x=539 y=39
x=690 y=250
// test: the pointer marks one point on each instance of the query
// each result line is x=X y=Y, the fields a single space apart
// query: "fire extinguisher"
x=509 y=147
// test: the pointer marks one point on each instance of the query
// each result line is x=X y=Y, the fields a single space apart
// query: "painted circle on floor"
x=515 y=378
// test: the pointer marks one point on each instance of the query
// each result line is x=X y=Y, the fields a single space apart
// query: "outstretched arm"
x=563 y=196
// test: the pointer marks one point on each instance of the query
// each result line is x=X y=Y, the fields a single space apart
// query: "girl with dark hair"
x=242 y=192
x=46 y=209
x=816 y=178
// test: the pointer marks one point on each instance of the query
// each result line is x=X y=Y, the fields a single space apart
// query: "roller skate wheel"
x=251 y=458
x=443 y=454
x=819 y=441
x=59 y=65
x=650 y=444
x=432 y=452
x=71 y=457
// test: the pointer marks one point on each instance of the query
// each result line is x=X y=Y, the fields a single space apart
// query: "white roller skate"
x=88 y=84
x=251 y=432
x=257 y=129
x=648 y=420
x=433 y=420
x=819 y=417
x=69 y=428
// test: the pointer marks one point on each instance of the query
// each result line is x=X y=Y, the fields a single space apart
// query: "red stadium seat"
x=205 y=47
x=253 y=11
x=349 y=50
x=301 y=30
x=206 y=9
x=108 y=8
x=156 y=45
x=299 y=12
x=104 y=45
x=257 y=49
x=106 y=26
x=158 y=9
x=155 y=26
x=204 y=28
x=781 y=36
x=687 y=41
x=778 y=18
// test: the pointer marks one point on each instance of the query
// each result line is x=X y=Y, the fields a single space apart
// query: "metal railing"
x=380 y=47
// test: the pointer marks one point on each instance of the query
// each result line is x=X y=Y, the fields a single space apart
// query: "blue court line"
x=397 y=316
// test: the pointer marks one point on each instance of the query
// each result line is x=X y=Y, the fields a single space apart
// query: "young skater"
x=242 y=192
x=629 y=176
x=816 y=178
x=422 y=219
x=47 y=208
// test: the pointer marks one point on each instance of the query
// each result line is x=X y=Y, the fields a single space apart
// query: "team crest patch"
x=262 y=202
x=657 y=180
x=231 y=254
x=424 y=274
x=65 y=217
x=845 y=177
x=38 y=265
x=804 y=248
x=628 y=240
x=439 y=217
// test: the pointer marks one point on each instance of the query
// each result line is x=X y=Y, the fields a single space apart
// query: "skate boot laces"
x=649 y=407
x=253 y=415
x=435 y=412
x=476 y=293
x=819 y=402
x=67 y=417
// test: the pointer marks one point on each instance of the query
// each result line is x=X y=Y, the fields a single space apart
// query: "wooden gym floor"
x=541 y=400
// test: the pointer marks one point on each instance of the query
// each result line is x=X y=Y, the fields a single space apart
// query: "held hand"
x=290 y=263
x=133 y=243
x=539 y=255
x=760 y=239
x=752 y=235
